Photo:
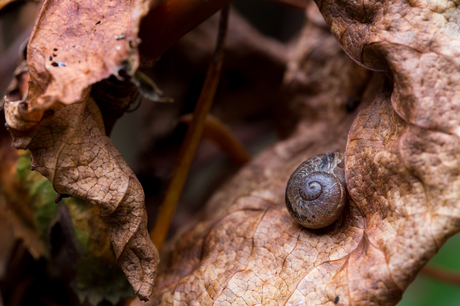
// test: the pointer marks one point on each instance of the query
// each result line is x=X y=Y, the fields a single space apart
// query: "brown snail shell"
x=316 y=191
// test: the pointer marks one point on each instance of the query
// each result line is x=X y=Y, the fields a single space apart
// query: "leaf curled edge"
x=75 y=44
x=70 y=148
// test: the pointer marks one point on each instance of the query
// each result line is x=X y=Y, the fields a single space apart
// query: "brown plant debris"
x=192 y=138
x=401 y=169
x=70 y=148
x=250 y=251
x=216 y=131
x=74 y=45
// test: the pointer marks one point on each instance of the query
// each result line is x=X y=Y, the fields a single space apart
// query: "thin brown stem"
x=442 y=274
x=216 y=131
x=192 y=139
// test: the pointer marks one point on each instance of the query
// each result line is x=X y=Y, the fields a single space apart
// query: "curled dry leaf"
x=401 y=169
x=70 y=148
x=402 y=155
x=96 y=272
x=250 y=251
x=29 y=207
x=74 y=45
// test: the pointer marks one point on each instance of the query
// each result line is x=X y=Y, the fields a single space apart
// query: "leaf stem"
x=216 y=131
x=442 y=274
x=192 y=139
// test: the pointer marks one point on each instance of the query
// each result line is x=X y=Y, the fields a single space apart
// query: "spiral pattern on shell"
x=316 y=191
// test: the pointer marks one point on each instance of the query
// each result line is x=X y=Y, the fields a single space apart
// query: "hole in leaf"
x=58 y=64
x=23 y=105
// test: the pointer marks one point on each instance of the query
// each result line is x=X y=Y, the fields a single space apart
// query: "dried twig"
x=442 y=274
x=216 y=131
x=192 y=139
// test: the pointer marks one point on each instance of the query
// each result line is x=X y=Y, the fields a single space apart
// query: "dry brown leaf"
x=402 y=165
x=74 y=45
x=402 y=175
x=251 y=251
x=70 y=148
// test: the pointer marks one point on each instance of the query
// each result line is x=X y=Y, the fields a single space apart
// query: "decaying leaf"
x=70 y=148
x=401 y=168
x=97 y=276
x=74 y=45
x=251 y=251
x=402 y=164
x=29 y=207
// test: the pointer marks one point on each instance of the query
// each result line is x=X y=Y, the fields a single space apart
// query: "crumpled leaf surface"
x=74 y=45
x=70 y=148
x=31 y=210
x=402 y=175
x=97 y=275
x=251 y=251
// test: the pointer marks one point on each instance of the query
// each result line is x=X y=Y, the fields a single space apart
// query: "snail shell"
x=316 y=191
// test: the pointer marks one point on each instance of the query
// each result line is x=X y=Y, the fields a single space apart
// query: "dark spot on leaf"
x=23 y=105
x=48 y=112
x=58 y=64
x=336 y=300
